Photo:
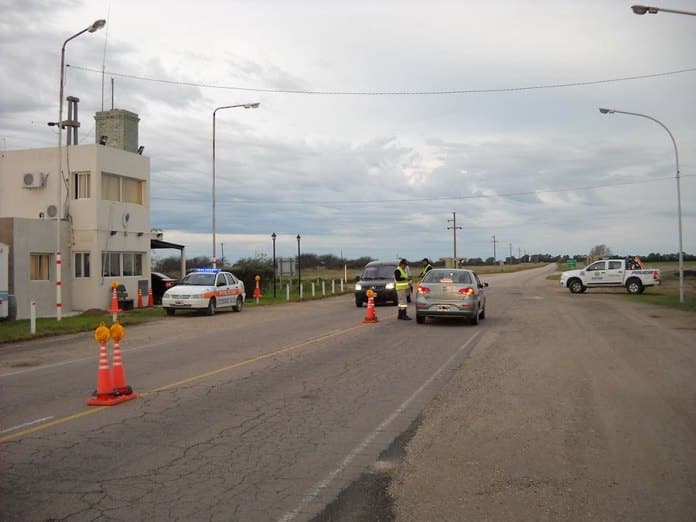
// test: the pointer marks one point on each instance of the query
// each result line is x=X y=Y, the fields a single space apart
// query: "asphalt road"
x=266 y=414
x=573 y=407
x=556 y=407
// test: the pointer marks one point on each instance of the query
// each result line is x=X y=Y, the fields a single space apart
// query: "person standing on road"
x=427 y=267
x=401 y=283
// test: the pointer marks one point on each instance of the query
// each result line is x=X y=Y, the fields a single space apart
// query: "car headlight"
x=389 y=286
x=358 y=286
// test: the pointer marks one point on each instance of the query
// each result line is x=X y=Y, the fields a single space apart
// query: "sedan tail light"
x=423 y=289
x=467 y=291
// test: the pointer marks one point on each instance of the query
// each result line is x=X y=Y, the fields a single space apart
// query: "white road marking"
x=319 y=487
x=26 y=424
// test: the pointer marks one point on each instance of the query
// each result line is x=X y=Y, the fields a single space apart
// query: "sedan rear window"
x=448 y=276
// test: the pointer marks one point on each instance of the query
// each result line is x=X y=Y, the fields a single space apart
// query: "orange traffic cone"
x=120 y=388
x=140 y=298
x=103 y=395
x=114 y=301
x=150 y=299
x=370 y=316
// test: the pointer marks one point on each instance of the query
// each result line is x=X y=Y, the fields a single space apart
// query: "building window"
x=111 y=264
x=81 y=187
x=119 y=188
x=132 y=190
x=111 y=187
x=82 y=264
x=132 y=263
x=38 y=267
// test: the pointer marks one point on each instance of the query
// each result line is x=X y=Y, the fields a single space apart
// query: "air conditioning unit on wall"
x=32 y=180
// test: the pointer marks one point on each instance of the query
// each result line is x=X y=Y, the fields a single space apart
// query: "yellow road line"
x=189 y=380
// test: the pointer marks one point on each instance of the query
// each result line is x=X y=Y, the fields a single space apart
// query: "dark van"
x=378 y=276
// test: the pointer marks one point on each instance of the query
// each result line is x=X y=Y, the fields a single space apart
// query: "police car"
x=205 y=289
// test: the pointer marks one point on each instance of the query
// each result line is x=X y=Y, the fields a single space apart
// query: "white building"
x=105 y=232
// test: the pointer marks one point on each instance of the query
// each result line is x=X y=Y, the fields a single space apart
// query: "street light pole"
x=679 y=210
x=299 y=268
x=273 y=237
x=98 y=24
x=642 y=9
x=246 y=106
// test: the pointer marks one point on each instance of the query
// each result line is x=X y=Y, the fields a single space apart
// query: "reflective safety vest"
x=427 y=268
x=403 y=284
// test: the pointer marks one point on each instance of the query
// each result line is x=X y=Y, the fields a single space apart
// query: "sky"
x=380 y=121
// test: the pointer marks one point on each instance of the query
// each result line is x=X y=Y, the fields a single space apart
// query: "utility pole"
x=495 y=257
x=454 y=228
x=510 y=252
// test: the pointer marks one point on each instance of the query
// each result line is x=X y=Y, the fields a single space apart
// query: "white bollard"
x=312 y=288
x=341 y=285
x=323 y=287
x=32 y=318
x=333 y=286
x=301 y=290
x=287 y=292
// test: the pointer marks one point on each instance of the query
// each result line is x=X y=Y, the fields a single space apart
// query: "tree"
x=600 y=251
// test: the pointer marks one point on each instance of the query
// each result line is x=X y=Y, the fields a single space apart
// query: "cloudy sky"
x=381 y=119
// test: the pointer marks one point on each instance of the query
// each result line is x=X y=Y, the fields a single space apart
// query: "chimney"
x=120 y=128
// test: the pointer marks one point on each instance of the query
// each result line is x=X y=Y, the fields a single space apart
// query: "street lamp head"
x=97 y=25
x=606 y=111
x=252 y=105
x=642 y=9
x=273 y=236
x=298 y=237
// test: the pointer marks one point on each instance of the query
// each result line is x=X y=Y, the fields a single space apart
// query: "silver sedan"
x=446 y=292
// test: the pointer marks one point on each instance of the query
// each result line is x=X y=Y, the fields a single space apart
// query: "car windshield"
x=199 y=279
x=448 y=276
x=378 y=272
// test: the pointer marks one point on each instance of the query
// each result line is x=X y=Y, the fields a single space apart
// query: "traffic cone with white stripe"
x=370 y=316
x=104 y=394
x=118 y=371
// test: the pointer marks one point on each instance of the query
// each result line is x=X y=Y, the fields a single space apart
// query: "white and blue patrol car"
x=205 y=289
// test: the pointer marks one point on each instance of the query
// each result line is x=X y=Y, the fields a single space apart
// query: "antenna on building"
x=112 y=93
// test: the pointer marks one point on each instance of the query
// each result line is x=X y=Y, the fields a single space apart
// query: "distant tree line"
x=247 y=268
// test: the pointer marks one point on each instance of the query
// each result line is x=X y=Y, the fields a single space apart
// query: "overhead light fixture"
x=141 y=149
x=103 y=140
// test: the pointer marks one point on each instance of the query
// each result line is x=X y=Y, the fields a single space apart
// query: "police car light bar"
x=207 y=270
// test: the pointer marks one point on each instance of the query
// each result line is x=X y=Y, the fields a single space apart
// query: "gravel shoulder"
x=572 y=407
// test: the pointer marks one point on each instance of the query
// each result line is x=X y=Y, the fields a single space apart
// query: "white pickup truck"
x=611 y=272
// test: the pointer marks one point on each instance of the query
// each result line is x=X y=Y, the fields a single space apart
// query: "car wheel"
x=475 y=317
x=420 y=319
x=634 y=286
x=239 y=305
x=211 y=307
x=170 y=311
x=575 y=286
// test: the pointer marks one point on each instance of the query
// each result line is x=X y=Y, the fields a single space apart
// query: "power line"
x=389 y=93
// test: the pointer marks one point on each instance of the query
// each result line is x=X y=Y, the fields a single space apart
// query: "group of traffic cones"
x=111 y=382
x=150 y=298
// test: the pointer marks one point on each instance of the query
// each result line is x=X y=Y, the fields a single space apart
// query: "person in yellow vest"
x=401 y=279
x=427 y=267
